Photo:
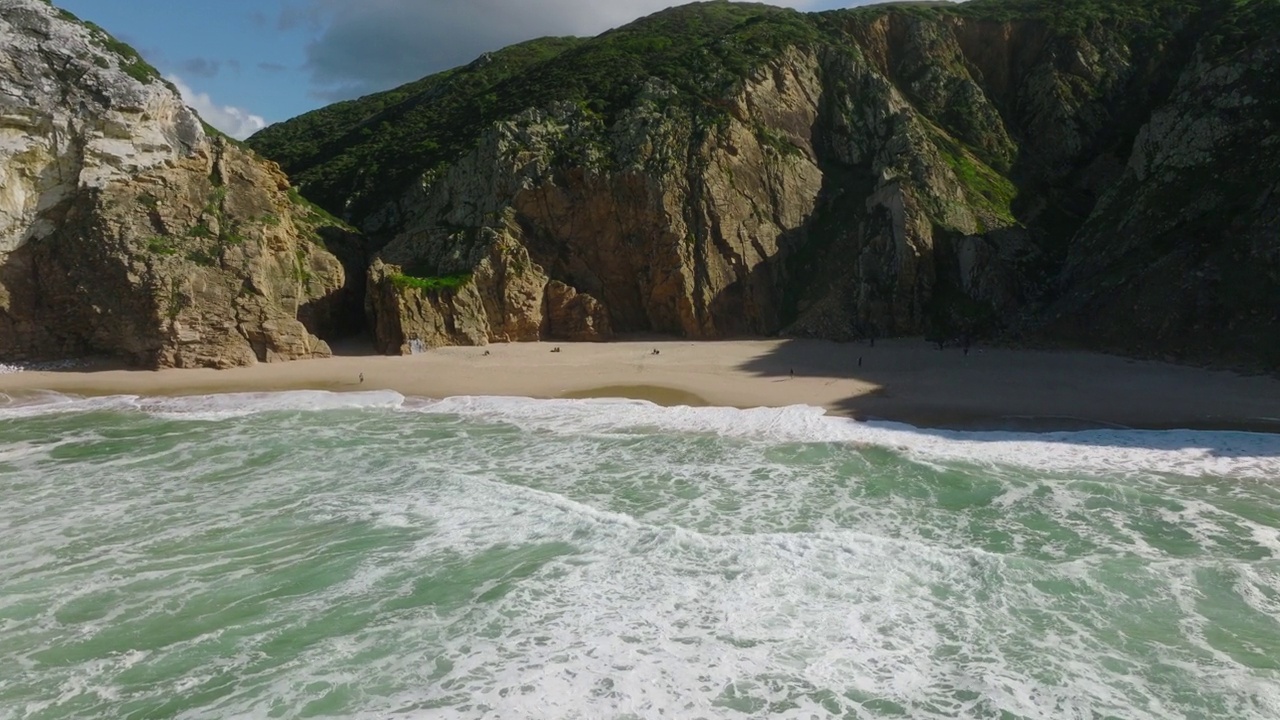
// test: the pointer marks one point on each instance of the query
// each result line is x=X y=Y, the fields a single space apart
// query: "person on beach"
x=361 y=378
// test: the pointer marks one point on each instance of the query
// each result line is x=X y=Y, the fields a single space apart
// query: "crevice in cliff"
x=697 y=222
x=345 y=309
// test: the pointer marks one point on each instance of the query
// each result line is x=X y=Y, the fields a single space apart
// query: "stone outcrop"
x=1181 y=255
x=628 y=238
x=127 y=230
x=1090 y=174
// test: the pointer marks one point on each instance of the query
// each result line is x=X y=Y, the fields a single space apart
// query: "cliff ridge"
x=127 y=229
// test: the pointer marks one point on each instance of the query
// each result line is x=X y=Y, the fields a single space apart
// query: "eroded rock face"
x=1181 y=256
x=656 y=225
x=681 y=224
x=126 y=230
x=1000 y=169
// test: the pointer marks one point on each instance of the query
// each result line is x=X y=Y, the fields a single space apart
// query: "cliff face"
x=1181 y=254
x=126 y=230
x=658 y=222
x=1102 y=176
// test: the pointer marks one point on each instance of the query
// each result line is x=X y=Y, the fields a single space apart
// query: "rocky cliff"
x=127 y=229
x=1101 y=174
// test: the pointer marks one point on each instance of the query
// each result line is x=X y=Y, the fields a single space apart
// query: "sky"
x=244 y=64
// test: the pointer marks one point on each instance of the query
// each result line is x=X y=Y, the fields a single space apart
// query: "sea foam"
x=1181 y=452
x=1178 y=452
x=507 y=557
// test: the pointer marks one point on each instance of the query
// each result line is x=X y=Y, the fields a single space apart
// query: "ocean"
x=367 y=555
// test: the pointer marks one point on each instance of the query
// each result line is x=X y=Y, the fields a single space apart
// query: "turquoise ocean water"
x=371 y=556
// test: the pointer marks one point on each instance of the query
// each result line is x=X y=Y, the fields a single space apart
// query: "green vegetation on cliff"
x=1096 y=167
x=1077 y=16
x=985 y=188
x=360 y=148
x=130 y=61
x=351 y=156
x=431 y=284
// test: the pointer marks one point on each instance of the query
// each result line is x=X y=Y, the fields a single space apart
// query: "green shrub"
x=162 y=245
x=983 y=185
x=431 y=284
x=130 y=61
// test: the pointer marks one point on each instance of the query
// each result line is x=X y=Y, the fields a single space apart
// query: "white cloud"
x=236 y=122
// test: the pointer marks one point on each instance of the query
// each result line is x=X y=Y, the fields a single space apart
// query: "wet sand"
x=905 y=380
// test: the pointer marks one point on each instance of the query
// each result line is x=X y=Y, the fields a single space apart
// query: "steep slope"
x=126 y=229
x=1095 y=173
x=349 y=154
x=1181 y=255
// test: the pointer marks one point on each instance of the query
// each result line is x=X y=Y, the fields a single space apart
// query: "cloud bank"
x=372 y=45
x=236 y=122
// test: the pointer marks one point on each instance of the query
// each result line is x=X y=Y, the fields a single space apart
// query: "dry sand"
x=906 y=380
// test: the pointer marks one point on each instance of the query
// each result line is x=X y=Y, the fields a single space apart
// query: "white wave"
x=660 y=618
x=201 y=407
x=1112 y=452
x=1182 y=452
x=505 y=574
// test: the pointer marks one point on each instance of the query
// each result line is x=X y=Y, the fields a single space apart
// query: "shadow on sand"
x=997 y=394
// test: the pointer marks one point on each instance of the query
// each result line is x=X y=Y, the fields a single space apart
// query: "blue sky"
x=247 y=63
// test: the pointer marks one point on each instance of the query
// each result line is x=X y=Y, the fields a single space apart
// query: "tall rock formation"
x=127 y=229
x=1097 y=174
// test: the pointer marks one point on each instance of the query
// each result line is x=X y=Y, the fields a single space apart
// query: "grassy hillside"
x=352 y=156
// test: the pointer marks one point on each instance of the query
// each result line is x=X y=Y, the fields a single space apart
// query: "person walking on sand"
x=361 y=378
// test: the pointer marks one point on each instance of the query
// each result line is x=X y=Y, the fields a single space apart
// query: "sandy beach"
x=906 y=380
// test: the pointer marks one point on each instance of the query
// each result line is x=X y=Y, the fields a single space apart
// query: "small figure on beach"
x=486 y=353
x=793 y=373
x=859 y=361
x=361 y=378
x=656 y=351
x=555 y=349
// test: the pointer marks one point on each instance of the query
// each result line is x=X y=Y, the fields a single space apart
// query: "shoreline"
x=899 y=380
